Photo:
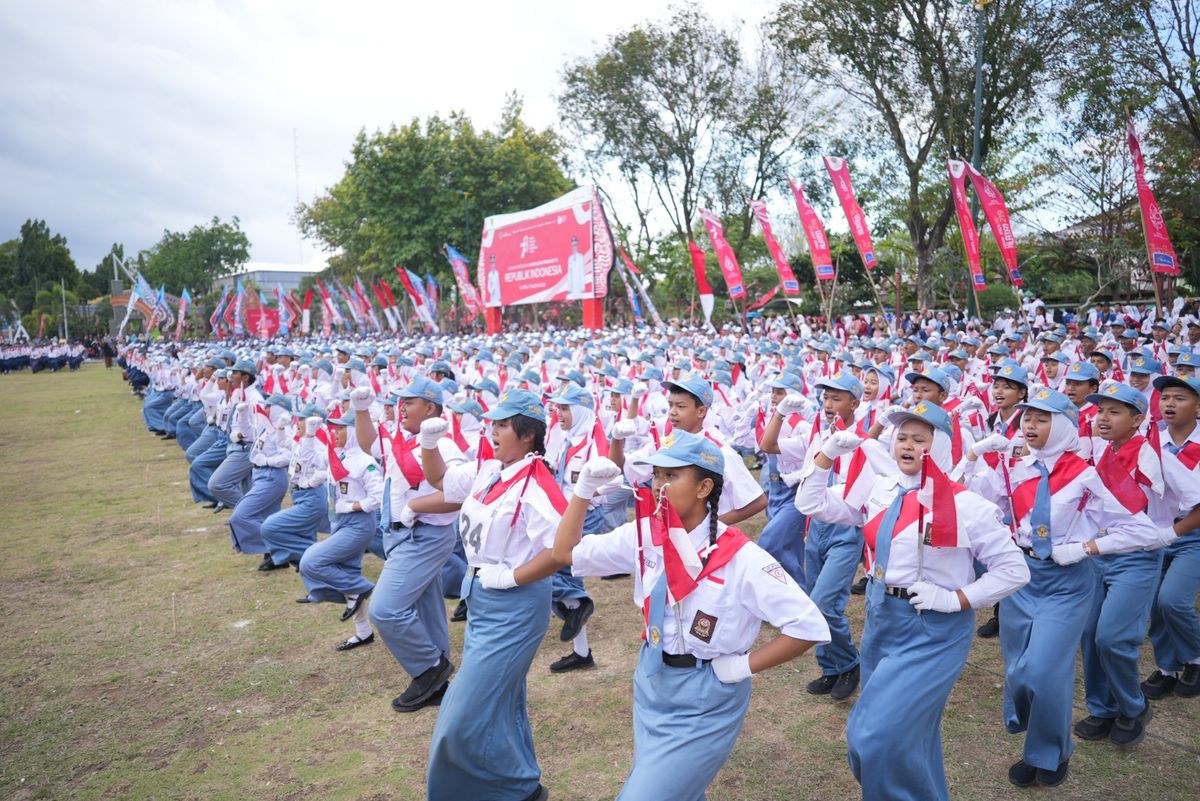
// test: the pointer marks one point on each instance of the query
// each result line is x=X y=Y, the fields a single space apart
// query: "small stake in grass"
x=173 y=622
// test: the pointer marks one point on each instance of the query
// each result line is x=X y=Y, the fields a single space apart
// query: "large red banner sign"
x=839 y=173
x=549 y=253
x=1158 y=244
x=958 y=189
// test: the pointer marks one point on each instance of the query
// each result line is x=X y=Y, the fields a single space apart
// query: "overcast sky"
x=124 y=118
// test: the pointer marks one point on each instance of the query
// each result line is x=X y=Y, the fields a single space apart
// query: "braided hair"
x=524 y=425
x=713 y=501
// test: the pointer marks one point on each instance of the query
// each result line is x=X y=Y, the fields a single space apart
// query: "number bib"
x=475 y=522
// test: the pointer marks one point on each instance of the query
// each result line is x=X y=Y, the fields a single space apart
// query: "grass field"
x=143 y=659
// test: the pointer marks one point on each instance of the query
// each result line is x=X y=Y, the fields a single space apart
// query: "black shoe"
x=210 y=505
x=845 y=686
x=295 y=563
x=220 y=507
x=990 y=629
x=1158 y=685
x=423 y=686
x=169 y=436
x=1188 y=685
x=349 y=611
x=305 y=599
x=1053 y=778
x=1023 y=774
x=615 y=577
x=540 y=794
x=573 y=661
x=575 y=618
x=821 y=686
x=1094 y=728
x=268 y=564
x=460 y=613
x=860 y=587
x=433 y=700
x=1128 y=732
x=354 y=642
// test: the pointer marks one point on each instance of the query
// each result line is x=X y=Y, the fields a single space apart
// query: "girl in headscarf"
x=1058 y=504
x=920 y=556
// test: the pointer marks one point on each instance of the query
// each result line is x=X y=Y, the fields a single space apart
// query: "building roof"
x=280 y=267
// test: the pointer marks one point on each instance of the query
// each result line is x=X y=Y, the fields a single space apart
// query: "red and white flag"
x=814 y=232
x=786 y=277
x=996 y=212
x=702 y=285
x=936 y=496
x=725 y=256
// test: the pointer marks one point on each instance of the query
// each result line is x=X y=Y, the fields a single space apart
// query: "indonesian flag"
x=599 y=438
x=936 y=496
x=860 y=479
x=336 y=468
x=702 y=286
x=1158 y=243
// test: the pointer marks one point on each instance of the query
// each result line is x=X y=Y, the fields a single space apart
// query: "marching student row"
x=503 y=472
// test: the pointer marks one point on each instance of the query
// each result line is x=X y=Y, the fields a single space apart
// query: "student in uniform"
x=270 y=455
x=482 y=745
x=289 y=532
x=832 y=551
x=231 y=479
x=407 y=607
x=785 y=444
x=919 y=600
x=1174 y=624
x=332 y=568
x=1059 y=503
x=207 y=453
x=691 y=688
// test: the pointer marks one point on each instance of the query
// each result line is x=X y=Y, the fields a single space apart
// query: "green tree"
x=906 y=68
x=408 y=190
x=40 y=259
x=194 y=259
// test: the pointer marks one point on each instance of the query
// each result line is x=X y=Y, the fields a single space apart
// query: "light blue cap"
x=1013 y=372
x=1053 y=401
x=695 y=384
x=843 y=381
x=1083 y=371
x=926 y=412
x=1123 y=393
x=681 y=449
x=1146 y=366
x=514 y=402
x=1190 y=382
x=573 y=395
x=423 y=388
x=935 y=374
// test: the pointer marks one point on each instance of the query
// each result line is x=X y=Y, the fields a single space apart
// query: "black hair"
x=524 y=426
x=994 y=417
x=713 y=501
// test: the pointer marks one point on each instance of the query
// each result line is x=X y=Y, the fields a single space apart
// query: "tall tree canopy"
x=197 y=258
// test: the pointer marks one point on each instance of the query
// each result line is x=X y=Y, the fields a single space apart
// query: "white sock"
x=350 y=599
x=362 y=623
x=1195 y=661
x=571 y=603
x=581 y=643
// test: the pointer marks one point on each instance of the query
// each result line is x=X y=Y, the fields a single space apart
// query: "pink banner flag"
x=996 y=212
x=787 y=278
x=1158 y=243
x=958 y=189
x=814 y=232
x=839 y=173
x=725 y=257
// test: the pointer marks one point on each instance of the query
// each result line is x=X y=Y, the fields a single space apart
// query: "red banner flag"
x=788 y=279
x=958 y=190
x=814 y=232
x=996 y=212
x=765 y=299
x=702 y=285
x=839 y=173
x=1158 y=243
x=725 y=257
x=628 y=261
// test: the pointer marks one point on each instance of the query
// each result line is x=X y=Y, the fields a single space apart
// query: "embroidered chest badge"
x=1042 y=532
x=703 y=626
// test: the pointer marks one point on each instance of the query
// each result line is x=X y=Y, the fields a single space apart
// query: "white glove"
x=971 y=404
x=318 y=479
x=360 y=398
x=623 y=429
x=1069 y=553
x=993 y=444
x=496 y=577
x=283 y=421
x=598 y=471
x=888 y=416
x=343 y=507
x=732 y=668
x=929 y=597
x=276 y=368
x=640 y=389
x=840 y=444
x=432 y=430
x=791 y=404
x=406 y=517
x=241 y=408
x=311 y=426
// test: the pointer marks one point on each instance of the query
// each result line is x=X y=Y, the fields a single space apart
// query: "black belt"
x=1029 y=552
x=682 y=660
x=396 y=526
x=896 y=592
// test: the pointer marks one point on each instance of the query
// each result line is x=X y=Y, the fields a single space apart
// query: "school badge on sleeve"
x=703 y=626
x=776 y=571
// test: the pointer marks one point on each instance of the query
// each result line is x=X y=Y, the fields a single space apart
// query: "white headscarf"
x=940 y=450
x=583 y=418
x=1064 y=436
